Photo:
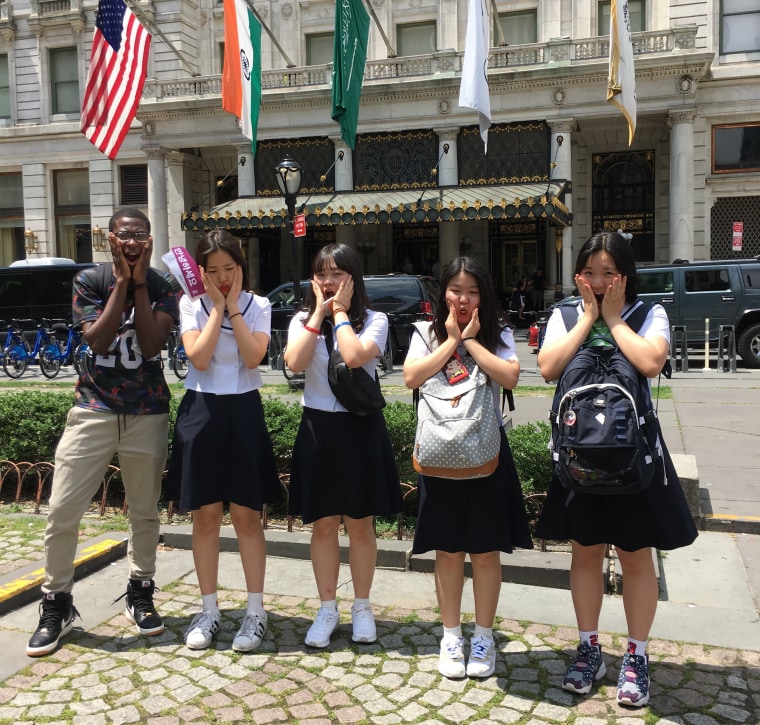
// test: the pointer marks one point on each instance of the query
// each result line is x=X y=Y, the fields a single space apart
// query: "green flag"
x=351 y=37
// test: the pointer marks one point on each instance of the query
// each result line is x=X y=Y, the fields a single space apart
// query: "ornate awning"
x=540 y=200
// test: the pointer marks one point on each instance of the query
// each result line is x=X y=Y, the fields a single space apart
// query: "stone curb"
x=22 y=586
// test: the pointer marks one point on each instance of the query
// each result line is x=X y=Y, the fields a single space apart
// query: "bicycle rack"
x=726 y=349
x=679 y=351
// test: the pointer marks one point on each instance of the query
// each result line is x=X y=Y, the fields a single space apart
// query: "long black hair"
x=219 y=240
x=347 y=259
x=489 y=311
x=620 y=250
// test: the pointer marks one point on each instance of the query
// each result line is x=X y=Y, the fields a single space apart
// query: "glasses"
x=125 y=236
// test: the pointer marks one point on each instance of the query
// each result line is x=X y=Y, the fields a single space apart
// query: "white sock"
x=486 y=632
x=453 y=631
x=255 y=602
x=211 y=603
x=362 y=603
x=637 y=646
x=591 y=637
x=328 y=604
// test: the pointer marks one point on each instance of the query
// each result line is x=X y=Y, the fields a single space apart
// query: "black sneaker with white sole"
x=57 y=614
x=140 y=609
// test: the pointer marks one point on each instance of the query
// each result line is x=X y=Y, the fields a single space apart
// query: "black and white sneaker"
x=57 y=614
x=140 y=609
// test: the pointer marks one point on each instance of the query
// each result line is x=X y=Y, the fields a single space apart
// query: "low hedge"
x=31 y=424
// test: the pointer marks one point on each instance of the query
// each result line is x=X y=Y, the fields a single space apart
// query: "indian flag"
x=241 y=75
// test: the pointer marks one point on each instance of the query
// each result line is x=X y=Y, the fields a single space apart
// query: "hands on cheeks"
x=452 y=326
x=473 y=326
x=235 y=288
x=318 y=295
x=140 y=271
x=345 y=293
x=614 y=299
x=216 y=295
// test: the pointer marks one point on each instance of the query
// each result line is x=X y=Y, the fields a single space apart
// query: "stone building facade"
x=418 y=188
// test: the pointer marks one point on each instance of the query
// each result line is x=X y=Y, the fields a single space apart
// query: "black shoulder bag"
x=357 y=391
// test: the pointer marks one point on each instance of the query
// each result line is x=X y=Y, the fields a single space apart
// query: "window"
x=319 y=48
x=72 y=214
x=11 y=218
x=637 y=10
x=740 y=26
x=736 y=148
x=517 y=28
x=134 y=185
x=64 y=80
x=5 y=88
x=416 y=39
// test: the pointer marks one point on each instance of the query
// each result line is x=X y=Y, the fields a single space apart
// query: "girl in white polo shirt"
x=221 y=451
x=343 y=464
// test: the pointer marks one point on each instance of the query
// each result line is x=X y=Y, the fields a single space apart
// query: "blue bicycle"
x=55 y=352
x=17 y=354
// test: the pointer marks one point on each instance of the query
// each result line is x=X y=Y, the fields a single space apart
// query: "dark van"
x=38 y=288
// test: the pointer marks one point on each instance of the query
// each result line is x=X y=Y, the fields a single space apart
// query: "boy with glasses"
x=126 y=310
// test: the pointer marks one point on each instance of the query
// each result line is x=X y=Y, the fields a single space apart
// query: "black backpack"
x=604 y=429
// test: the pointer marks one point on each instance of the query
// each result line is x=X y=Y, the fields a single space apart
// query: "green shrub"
x=31 y=423
x=529 y=443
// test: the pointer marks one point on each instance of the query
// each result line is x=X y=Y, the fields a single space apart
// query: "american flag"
x=118 y=66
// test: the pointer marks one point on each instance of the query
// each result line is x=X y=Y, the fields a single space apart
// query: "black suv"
x=727 y=292
x=405 y=298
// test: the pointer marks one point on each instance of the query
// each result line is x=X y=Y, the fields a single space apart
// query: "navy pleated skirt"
x=475 y=515
x=221 y=451
x=343 y=464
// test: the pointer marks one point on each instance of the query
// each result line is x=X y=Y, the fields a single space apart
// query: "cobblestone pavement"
x=112 y=676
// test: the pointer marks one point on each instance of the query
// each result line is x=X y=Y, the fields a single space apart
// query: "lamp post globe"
x=288 y=175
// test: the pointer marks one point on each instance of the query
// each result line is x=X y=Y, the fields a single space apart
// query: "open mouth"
x=599 y=298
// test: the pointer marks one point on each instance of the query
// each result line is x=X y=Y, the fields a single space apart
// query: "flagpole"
x=289 y=63
x=499 y=31
x=391 y=50
x=137 y=10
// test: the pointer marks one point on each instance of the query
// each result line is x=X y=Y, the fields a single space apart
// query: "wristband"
x=141 y=284
x=235 y=315
x=340 y=324
x=311 y=329
x=338 y=309
x=465 y=339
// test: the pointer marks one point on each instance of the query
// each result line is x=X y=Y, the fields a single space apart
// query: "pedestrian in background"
x=539 y=289
x=481 y=516
x=343 y=464
x=659 y=516
x=221 y=451
x=126 y=310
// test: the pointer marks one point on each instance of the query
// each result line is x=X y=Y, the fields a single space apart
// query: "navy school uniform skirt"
x=221 y=451
x=343 y=464
x=475 y=515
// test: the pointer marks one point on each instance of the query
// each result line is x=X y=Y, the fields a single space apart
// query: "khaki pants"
x=84 y=452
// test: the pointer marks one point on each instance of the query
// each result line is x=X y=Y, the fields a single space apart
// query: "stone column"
x=344 y=171
x=178 y=194
x=448 y=171
x=157 y=206
x=246 y=175
x=102 y=202
x=448 y=241
x=681 y=226
x=561 y=265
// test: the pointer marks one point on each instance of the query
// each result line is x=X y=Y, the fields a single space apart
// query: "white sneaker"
x=482 y=662
x=324 y=625
x=451 y=659
x=251 y=632
x=363 y=623
x=202 y=630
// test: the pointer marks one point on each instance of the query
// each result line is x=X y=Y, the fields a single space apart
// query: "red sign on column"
x=299 y=225
x=738 y=236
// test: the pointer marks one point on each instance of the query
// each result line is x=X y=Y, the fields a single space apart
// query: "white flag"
x=621 y=86
x=473 y=92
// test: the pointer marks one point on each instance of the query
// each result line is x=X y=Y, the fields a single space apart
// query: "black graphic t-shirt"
x=123 y=381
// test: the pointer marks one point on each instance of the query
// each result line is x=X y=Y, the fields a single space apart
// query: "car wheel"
x=749 y=346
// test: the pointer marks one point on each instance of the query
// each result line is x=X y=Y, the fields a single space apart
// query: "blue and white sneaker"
x=633 y=682
x=587 y=667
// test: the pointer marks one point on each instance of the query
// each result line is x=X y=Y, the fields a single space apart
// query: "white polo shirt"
x=316 y=392
x=227 y=373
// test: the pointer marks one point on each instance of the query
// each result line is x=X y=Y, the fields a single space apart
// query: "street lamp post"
x=288 y=174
